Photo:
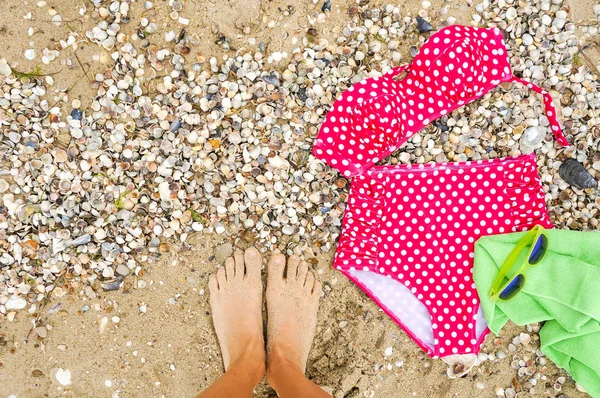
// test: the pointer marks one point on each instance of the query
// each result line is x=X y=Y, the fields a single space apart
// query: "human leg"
x=292 y=303
x=236 y=303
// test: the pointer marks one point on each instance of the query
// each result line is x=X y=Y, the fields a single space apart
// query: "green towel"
x=563 y=290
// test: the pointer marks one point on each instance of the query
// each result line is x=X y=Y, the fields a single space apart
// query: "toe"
x=310 y=282
x=213 y=285
x=302 y=271
x=276 y=266
x=292 y=267
x=253 y=261
x=230 y=268
x=317 y=289
x=239 y=263
x=221 y=277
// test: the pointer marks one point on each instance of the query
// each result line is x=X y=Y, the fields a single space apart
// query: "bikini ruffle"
x=357 y=247
x=524 y=191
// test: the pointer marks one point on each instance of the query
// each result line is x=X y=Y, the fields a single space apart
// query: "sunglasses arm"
x=508 y=264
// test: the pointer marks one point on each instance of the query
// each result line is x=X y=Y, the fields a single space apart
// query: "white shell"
x=29 y=54
x=63 y=376
x=15 y=303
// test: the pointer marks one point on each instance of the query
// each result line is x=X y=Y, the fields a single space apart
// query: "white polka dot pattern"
x=376 y=116
x=413 y=229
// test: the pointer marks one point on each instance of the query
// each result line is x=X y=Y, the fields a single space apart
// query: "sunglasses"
x=537 y=238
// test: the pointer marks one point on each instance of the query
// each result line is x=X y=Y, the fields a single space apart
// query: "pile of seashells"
x=174 y=144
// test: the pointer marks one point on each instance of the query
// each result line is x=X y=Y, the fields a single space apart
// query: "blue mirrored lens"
x=539 y=249
x=513 y=287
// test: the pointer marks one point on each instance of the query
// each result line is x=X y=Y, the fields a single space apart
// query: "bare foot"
x=236 y=303
x=292 y=304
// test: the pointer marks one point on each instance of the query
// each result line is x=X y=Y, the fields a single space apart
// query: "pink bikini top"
x=374 y=117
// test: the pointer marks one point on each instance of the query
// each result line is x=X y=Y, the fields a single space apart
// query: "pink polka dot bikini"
x=409 y=230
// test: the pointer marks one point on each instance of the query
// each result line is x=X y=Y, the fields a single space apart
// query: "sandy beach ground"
x=158 y=341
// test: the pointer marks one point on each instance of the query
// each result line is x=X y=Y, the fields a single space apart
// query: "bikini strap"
x=550 y=110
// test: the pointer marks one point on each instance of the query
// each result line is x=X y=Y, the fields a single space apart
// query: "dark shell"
x=302 y=94
x=175 y=125
x=423 y=26
x=113 y=284
x=573 y=173
x=272 y=79
x=326 y=6
x=76 y=114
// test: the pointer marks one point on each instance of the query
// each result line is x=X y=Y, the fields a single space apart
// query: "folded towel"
x=563 y=290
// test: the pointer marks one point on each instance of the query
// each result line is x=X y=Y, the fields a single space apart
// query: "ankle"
x=280 y=361
x=251 y=363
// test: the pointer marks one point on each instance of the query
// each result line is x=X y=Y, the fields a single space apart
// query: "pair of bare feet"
x=292 y=301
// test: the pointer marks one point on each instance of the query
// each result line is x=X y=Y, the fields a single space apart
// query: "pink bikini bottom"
x=409 y=234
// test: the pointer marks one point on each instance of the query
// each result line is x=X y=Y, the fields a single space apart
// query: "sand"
x=113 y=349
x=172 y=351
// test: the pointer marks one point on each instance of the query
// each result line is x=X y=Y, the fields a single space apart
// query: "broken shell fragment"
x=423 y=26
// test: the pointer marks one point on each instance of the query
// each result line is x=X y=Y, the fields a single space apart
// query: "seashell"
x=531 y=139
x=175 y=125
x=423 y=26
x=341 y=182
x=25 y=211
x=15 y=303
x=300 y=158
x=272 y=78
x=72 y=151
x=326 y=6
x=579 y=387
x=524 y=338
x=4 y=186
x=81 y=240
x=63 y=234
x=62 y=142
x=64 y=185
x=557 y=387
x=177 y=6
x=565 y=195
x=197 y=67
x=567 y=97
x=582 y=146
x=76 y=114
x=29 y=54
x=511 y=13
x=58 y=245
x=5 y=69
x=108 y=44
x=63 y=376
x=460 y=365
x=576 y=175
x=194 y=39
x=112 y=284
